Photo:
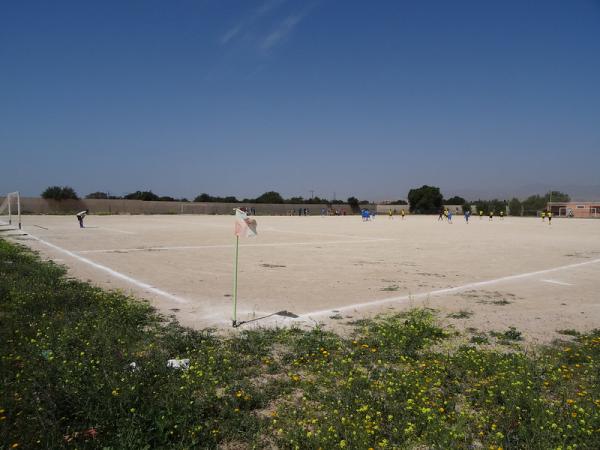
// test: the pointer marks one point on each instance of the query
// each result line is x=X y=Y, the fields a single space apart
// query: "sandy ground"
x=517 y=272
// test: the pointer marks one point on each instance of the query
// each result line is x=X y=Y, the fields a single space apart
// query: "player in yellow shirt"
x=390 y=213
x=402 y=213
x=501 y=215
x=491 y=215
x=480 y=214
x=549 y=214
x=543 y=216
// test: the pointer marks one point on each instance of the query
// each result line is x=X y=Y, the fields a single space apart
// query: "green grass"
x=479 y=338
x=66 y=380
x=462 y=314
x=569 y=332
x=390 y=288
x=507 y=337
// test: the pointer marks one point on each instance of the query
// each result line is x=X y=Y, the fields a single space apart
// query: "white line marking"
x=200 y=247
x=114 y=273
x=561 y=283
x=404 y=298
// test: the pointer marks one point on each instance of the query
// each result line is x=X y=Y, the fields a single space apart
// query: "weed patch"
x=462 y=314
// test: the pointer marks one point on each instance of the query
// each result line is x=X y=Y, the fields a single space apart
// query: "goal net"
x=10 y=210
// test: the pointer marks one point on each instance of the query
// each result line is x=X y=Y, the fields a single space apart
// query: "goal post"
x=10 y=208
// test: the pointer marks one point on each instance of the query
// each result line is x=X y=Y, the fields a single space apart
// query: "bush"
x=142 y=195
x=205 y=198
x=60 y=193
x=97 y=195
x=270 y=197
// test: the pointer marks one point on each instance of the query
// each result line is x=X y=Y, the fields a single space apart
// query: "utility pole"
x=312 y=194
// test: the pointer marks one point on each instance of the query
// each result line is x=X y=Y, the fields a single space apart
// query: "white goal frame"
x=8 y=203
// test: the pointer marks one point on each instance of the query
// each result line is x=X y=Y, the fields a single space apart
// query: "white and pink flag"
x=244 y=225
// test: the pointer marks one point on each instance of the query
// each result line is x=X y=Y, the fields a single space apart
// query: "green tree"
x=97 y=195
x=515 y=207
x=270 y=197
x=456 y=200
x=203 y=198
x=533 y=204
x=142 y=195
x=557 y=196
x=425 y=200
x=353 y=203
x=60 y=193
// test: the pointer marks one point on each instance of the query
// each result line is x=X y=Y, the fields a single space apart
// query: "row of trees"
x=68 y=193
x=273 y=197
x=423 y=200
x=429 y=199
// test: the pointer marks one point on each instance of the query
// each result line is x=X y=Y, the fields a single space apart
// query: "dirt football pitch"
x=519 y=272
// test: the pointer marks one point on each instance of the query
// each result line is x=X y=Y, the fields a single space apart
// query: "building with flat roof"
x=575 y=209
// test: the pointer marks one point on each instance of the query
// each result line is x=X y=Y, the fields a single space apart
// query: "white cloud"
x=249 y=20
x=281 y=31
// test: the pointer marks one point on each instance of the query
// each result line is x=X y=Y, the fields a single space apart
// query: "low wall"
x=385 y=209
x=36 y=205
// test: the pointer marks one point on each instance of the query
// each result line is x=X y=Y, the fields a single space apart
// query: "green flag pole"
x=235 y=281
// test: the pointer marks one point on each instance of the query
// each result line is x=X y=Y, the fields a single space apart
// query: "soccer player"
x=549 y=214
x=491 y=215
x=441 y=216
x=467 y=215
x=501 y=215
x=391 y=213
x=480 y=214
x=81 y=215
x=449 y=216
x=543 y=216
x=402 y=213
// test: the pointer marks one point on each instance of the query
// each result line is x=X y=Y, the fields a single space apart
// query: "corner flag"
x=245 y=227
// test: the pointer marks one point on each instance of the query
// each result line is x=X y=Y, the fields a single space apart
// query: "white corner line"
x=112 y=272
x=560 y=283
x=405 y=298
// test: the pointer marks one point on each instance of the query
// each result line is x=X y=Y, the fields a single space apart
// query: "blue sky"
x=352 y=97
